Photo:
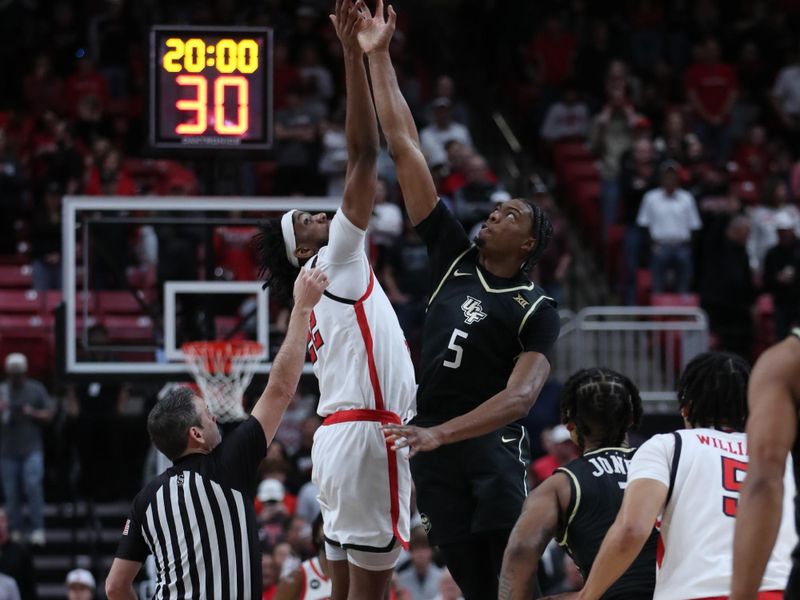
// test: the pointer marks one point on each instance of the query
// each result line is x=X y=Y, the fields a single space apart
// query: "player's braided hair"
x=713 y=389
x=603 y=404
x=273 y=264
x=542 y=231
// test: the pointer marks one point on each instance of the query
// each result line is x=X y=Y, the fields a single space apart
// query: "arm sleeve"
x=445 y=238
x=540 y=331
x=241 y=452
x=132 y=545
x=653 y=460
x=345 y=241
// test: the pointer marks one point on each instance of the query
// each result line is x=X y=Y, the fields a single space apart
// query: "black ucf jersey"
x=597 y=481
x=476 y=324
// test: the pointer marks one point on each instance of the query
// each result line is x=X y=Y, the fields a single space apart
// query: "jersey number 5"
x=733 y=472
x=453 y=345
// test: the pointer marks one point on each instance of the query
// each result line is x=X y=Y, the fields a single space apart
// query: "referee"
x=198 y=517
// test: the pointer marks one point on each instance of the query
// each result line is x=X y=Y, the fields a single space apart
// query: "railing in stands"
x=510 y=154
x=651 y=345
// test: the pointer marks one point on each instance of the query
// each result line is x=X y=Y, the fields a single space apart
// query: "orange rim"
x=208 y=353
x=231 y=347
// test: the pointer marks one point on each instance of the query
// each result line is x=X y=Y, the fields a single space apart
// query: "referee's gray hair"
x=170 y=420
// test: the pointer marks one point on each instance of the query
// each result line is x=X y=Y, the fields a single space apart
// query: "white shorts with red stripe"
x=364 y=486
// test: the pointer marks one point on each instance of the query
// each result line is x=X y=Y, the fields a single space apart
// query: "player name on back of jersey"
x=609 y=465
x=737 y=447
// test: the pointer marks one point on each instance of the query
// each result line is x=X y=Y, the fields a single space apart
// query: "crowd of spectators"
x=693 y=123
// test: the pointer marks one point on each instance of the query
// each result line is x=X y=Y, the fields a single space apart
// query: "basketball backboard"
x=142 y=275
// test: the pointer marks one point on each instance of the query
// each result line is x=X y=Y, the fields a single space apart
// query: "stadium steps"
x=78 y=535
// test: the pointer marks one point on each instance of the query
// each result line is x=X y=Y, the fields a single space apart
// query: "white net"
x=223 y=370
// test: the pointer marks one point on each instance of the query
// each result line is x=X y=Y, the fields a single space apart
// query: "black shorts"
x=474 y=486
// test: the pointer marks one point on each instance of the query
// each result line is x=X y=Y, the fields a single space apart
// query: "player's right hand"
x=376 y=33
x=308 y=288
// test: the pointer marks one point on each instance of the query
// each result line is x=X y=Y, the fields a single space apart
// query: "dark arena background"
x=142 y=142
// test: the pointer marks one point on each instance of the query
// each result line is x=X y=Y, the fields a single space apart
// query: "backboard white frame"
x=186 y=204
x=173 y=288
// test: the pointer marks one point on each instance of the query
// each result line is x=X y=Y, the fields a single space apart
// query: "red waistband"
x=362 y=414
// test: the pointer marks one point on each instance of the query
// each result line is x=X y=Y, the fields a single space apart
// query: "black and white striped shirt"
x=198 y=519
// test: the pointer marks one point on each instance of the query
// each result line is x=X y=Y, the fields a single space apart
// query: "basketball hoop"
x=223 y=370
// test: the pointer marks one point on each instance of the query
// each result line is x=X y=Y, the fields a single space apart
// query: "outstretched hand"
x=416 y=439
x=348 y=19
x=376 y=33
x=308 y=288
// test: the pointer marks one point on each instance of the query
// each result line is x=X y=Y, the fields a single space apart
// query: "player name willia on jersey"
x=737 y=448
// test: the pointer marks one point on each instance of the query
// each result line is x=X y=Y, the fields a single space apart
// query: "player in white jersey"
x=311 y=580
x=692 y=479
x=358 y=352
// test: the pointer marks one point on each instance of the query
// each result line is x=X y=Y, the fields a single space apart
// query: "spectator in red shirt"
x=269 y=577
x=712 y=87
x=553 y=51
x=236 y=259
x=86 y=81
x=560 y=451
x=458 y=154
x=752 y=158
x=109 y=178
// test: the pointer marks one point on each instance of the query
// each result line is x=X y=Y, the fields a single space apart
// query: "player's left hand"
x=416 y=439
x=568 y=596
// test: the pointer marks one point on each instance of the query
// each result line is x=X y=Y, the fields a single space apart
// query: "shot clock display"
x=211 y=87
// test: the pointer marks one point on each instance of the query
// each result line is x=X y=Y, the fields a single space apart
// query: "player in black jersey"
x=487 y=334
x=578 y=504
x=772 y=432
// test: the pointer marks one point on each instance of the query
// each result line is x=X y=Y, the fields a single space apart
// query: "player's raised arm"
x=537 y=525
x=361 y=126
x=419 y=191
x=771 y=430
x=288 y=365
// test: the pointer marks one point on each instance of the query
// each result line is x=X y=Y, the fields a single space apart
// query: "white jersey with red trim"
x=695 y=554
x=315 y=585
x=356 y=345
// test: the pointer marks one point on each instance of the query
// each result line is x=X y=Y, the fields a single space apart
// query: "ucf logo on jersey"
x=473 y=311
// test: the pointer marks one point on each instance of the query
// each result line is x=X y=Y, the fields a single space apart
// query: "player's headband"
x=289 y=241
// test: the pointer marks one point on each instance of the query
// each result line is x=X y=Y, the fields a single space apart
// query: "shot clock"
x=211 y=87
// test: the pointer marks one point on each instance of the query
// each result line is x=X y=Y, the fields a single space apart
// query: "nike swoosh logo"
x=505 y=441
x=460 y=274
